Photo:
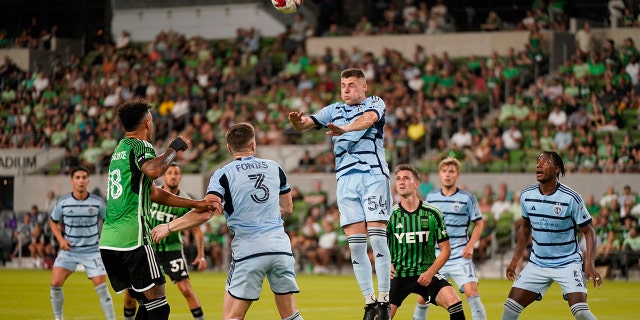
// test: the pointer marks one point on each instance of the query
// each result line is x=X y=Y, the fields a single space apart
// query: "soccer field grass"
x=24 y=294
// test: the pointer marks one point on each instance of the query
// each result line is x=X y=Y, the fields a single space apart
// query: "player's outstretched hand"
x=160 y=232
x=200 y=263
x=335 y=130
x=295 y=118
x=393 y=271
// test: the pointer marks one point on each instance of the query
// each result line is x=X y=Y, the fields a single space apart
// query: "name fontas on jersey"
x=251 y=165
x=412 y=237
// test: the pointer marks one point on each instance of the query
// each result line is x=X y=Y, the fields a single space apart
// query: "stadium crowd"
x=587 y=110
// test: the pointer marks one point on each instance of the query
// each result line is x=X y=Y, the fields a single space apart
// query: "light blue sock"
x=420 y=312
x=378 y=238
x=581 y=311
x=512 y=310
x=295 y=316
x=361 y=265
x=57 y=298
x=105 y=301
x=477 y=309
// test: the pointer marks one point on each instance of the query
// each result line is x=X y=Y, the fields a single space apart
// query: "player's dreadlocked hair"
x=557 y=160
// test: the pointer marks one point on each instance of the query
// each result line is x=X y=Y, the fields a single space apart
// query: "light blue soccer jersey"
x=459 y=209
x=356 y=151
x=554 y=221
x=80 y=220
x=250 y=190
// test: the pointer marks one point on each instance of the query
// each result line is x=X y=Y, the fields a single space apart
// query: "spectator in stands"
x=124 y=40
x=628 y=196
x=306 y=163
x=317 y=197
x=508 y=110
x=584 y=40
x=579 y=120
x=22 y=235
x=498 y=150
x=512 y=137
x=461 y=139
x=557 y=117
x=563 y=138
x=608 y=197
x=629 y=254
x=493 y=22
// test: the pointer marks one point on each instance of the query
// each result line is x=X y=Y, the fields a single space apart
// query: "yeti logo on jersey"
x=557 y=209
x=457 y=206
x=412 y=237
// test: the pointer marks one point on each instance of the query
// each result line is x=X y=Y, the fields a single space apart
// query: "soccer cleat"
x=370 y=311
x=384 y=311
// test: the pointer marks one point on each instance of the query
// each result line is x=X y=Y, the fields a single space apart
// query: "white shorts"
x=245 y=277
x=538 y=279
x=363 y=197
x=91 y=261
x=463 y=271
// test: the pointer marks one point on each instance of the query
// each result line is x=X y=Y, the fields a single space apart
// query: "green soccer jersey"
x=413 y=237
x=128 y=197
x=163 y=214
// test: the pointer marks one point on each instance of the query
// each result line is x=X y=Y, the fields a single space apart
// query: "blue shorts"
x=538 y=279
x=245 y=277
x=363 y=197
x=462 y=271
x=91 y=261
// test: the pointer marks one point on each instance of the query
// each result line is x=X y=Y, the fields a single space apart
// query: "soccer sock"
x=581 y=311
x=197 y=313
x=158 y=308
x=129 y=313
x=57 y=298
x=361 y=265
x=455 y=311
x=295 y=316
x=420 y=312
x=378 y=238
x=512 y=310
x=142 y=312
x=477 y=309
x=105 y=301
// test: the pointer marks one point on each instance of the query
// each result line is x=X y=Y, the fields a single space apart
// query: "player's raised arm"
x=365 y=121
x=193 y=218
x=155 y=168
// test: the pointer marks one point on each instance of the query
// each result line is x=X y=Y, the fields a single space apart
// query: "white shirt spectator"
x=41 y=83
x=632 y=70
x=499 y=207
x=180 y=108
x=123 y=40
x=557 y=117
x=462 y=138
x=512 y=138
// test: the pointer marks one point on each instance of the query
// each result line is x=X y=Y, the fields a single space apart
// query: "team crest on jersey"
x=91 y=210
x=424 y=223
x=457 y=206
x=557 y=209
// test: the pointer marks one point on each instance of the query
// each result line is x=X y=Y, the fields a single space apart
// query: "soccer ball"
x=286 y=6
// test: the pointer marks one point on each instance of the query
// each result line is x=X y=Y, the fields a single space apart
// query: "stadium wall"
x=31 y=189
x=209 y=22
